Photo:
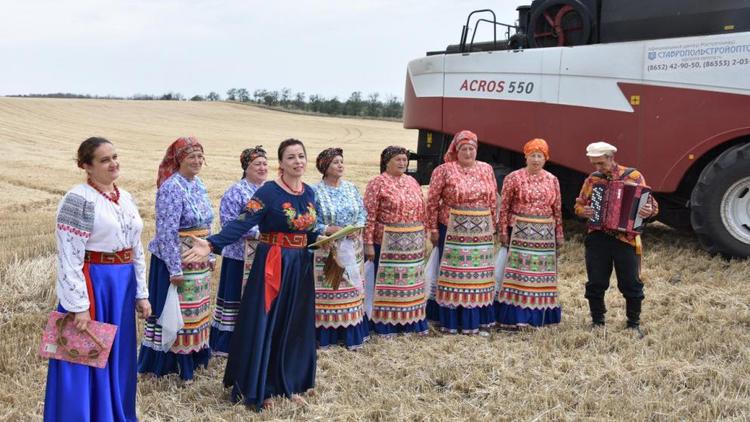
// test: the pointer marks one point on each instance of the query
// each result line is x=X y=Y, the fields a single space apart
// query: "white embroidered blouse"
x=86 y=220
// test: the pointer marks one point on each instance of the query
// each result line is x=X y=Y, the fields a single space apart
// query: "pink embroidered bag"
x=62 y=340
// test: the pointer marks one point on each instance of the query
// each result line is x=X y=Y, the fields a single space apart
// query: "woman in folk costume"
x=101 y=276
x=237 y=257
x=463 y=201
x=339 y=311
x=530 y=210
x=395 y=240
x=272 y=352
x=182 y=210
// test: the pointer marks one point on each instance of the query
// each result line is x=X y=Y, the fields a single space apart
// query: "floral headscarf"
x=249 y=155
x=464 y=137
x=176 y=152
x=326 y=157
x=389 y=153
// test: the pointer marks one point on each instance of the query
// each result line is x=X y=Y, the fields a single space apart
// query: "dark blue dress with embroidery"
x=273 y=353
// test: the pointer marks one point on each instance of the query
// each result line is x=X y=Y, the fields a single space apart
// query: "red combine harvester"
x=667 y=82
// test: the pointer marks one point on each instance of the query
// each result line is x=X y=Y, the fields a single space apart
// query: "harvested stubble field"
x=693 y=363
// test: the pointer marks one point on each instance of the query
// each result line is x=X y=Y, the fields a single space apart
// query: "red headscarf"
x=465 y=137
x=536 y=145
x=176 y=152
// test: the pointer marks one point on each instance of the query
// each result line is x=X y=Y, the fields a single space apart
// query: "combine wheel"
x=558 y=23
x=720 y=203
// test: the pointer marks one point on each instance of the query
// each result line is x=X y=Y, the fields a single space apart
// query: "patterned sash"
x=342 y=307
x=530 y=279
x=467 y=266
x=399 y=282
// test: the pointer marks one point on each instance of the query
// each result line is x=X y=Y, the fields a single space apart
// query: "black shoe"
x=636 y=330
x=598 y=309
x=633 y=311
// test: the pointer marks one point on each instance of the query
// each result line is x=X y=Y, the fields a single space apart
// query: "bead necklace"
x=113 y=197
x=294 y=191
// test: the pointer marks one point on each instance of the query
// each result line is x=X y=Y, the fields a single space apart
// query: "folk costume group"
x=277 y=300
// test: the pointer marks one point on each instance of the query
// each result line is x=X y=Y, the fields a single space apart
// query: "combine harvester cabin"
x=667 y=82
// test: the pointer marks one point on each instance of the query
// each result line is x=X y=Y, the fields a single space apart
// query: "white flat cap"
x=597 y=149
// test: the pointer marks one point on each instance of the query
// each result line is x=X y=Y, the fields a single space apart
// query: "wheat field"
x=693 y=363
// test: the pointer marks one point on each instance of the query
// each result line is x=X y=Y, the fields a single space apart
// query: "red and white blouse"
x=453 y=186
x=527 y=194
x=391 y=200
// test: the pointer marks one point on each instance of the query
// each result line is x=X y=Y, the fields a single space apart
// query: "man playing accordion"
x=607 y=247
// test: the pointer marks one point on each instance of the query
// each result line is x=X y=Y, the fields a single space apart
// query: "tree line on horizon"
x=357 y=104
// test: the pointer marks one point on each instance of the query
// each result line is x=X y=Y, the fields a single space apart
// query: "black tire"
x=538 y=24
x=720 y=204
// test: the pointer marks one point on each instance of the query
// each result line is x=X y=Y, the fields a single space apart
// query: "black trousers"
x=604 y=251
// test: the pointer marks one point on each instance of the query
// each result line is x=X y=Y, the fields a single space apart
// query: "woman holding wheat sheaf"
x=101 y=276
x=339 y=291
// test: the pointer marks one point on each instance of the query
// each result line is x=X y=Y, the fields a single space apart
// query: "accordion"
x=616 y=206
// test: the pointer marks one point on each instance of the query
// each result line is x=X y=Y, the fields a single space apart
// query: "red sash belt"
x=278 y=240
x=124 y=256
x=285 y=240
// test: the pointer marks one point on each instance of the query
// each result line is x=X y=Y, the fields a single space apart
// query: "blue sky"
x=122 y=48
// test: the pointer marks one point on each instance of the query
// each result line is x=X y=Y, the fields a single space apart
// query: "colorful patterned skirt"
x=231 y=285
x=399 y=302
x=78 y=392
x=529 y=292
x=466 y=284
x=191 y=348
x=339 y=314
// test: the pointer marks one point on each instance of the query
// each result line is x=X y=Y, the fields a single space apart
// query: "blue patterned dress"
x=232 y=267
x=181 y=206
x=339 y=314
x=272 y=351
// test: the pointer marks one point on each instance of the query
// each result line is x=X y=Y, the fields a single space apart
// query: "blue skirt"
x=352 y=337
x=82 y=393
x=419 y=327
x=432 y=310
x=227 y=305
x=157 y=362
x=515 y=316
x=466 y=320
x=273 y=354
